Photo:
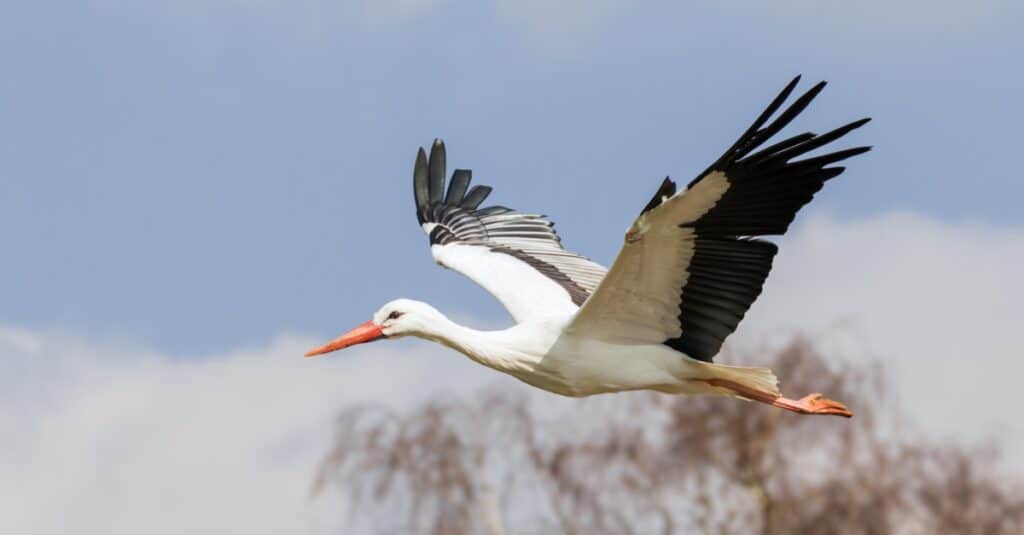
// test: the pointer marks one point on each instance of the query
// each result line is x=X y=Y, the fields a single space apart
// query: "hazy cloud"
x=938 y=302
x=105 y=437
x=108 y=439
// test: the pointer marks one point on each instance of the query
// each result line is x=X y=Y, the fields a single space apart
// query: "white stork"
x=690 y=267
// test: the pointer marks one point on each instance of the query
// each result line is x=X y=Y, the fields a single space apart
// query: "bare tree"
x=650 y=463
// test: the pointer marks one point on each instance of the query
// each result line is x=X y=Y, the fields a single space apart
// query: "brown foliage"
x=651 y=463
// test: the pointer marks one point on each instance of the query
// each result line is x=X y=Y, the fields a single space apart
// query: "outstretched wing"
x=691 y=265
x=516 y=257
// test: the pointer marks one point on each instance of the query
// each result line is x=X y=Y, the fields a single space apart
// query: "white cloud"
x=939 y=303
x=103 y=437
x=107 y=439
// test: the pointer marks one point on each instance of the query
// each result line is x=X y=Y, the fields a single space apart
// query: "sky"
x=193 y=192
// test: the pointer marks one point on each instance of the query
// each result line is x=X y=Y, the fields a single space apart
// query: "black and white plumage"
x=698 y=246
x=518 y=257
x=690 y=267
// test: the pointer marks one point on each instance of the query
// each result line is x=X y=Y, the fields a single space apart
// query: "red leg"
x=810 y=404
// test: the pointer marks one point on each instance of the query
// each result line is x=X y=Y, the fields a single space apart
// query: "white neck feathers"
x=495 y=349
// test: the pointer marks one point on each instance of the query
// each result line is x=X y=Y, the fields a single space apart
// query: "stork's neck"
x=496 y=349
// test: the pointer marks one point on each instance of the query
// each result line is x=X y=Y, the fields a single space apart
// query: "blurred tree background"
x=503 y=462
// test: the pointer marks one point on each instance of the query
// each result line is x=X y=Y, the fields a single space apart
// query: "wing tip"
x=665 y=190
x=861 y=122
x=437 y=163
x=420 y=185
x=788 y=88
x=457 y=186
x=429 y=184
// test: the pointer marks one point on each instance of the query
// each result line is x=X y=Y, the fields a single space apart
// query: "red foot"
x=813 y=404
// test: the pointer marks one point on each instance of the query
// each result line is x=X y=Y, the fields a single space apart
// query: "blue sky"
x=194 y=192
x=199 y=175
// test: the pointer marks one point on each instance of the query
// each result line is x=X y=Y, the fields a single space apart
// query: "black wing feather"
x=766 y=190
x=457 y=189
x=421 y=185
x=437 y=167
x=457 y=218
x=667 y=189
x=475 y=197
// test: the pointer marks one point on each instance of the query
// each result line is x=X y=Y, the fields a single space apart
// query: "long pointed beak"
x=366 y=332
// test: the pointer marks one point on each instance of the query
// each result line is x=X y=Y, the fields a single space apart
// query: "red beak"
x=366 y=332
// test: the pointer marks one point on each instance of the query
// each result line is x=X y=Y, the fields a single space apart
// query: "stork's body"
x=690 y=267
x=542 y=354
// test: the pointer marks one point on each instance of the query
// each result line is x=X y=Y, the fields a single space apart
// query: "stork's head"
x=400 y=317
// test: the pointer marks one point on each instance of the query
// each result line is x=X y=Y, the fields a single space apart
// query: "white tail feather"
x=760 y=379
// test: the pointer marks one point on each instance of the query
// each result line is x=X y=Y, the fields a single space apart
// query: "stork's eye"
x=394 y=315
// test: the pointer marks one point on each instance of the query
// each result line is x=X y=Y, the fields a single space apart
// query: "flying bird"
x=690 y=266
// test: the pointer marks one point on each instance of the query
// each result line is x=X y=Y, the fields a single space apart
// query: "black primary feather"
x=421 y=185
x=667 y=190
x=475 y=196
x=457 y=188
x=437 y=170
x=765 y=191
x=457 y=218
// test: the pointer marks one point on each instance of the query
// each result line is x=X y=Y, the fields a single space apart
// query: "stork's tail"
x=760 y=384
x=761 y=380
